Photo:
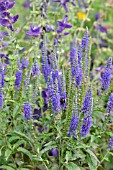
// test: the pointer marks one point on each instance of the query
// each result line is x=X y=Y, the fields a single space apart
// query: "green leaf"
x=111 y=153
x=26 y=152
x=49 y=143
x=23 y=169
x=92 y=162
x=46 y=149
x=13 y=138
x=72 y=166
x=17 y=144
x=6 y=167
x=92 y=154
x=68 y=156
x=24 y=136
x=7 y=154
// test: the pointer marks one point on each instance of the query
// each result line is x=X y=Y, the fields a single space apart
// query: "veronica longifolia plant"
x=51 y=117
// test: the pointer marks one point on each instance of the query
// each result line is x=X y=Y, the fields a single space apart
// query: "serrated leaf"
x=6 y=167
x=72 y=166
x=7 y=154
x=17 y=144
x=25 y=151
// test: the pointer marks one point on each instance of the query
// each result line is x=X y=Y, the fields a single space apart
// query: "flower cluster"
x=63 y=3
x=63 y=25
x=86 y=125
x=6 y=19
x=106 y=75
x=110 y=145
x=27 y=111
x=34 y=31
x=1 y=85
x=110 y=103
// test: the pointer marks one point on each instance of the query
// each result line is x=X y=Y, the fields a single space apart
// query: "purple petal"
x=68 y=26
x=66 y=7
x=10 y=27
x=66 y=33
x=35 y=29
x=65 y=19
x=56 y=0
x=27 y=4
x=10 y=5
x=60 y=23
x=5 y=14
x=2 y=7
x=60 y=30
x=14 y=19
x=4 y=22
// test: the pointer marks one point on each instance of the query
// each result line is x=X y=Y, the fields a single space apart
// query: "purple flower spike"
x=27 y=111
x=34 y=31
x=53 y=152
x=110 y=145
x=18 y=79
x=87 y=102
x=85 y=41
x=86 y=125
x=110 y=103
x=106 y=75
x=73 y=124
x=25 y=63
x=63 y=25
x=35 y=69
x=1 y=99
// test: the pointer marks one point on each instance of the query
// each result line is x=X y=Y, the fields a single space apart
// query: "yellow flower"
x=81 y=16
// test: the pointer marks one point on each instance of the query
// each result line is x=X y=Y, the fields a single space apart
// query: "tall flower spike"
x=110 y=145
x=73 y=50
x=86 y=125
x=85 y=41
x=106 y=75
x=56 y=97
x=25 y=63
x=18 y=79
x=79 y=75
x=1 y=93
x=26 y=83
x=87 y=103
x=27 y=111
x=45 y=63
x=75 y=118
x=110 y=103
x=35 y=69
x=62 y=90
x=73 y=124
x=74 y=61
